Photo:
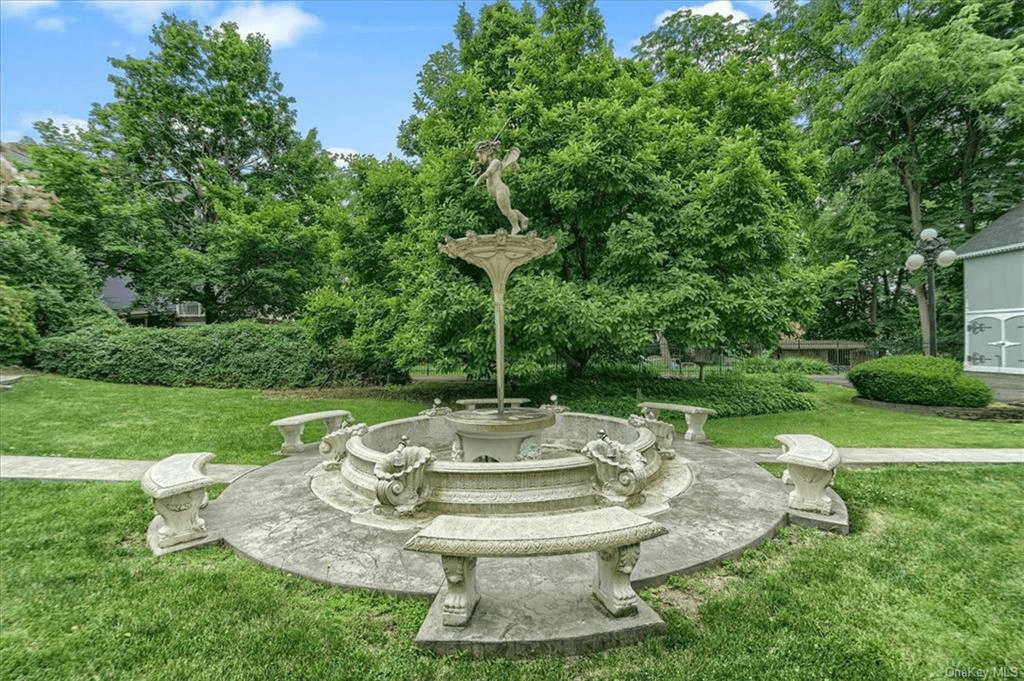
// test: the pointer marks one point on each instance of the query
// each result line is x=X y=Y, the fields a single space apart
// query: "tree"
x=193 y=180
x=45 y=288
x=672 y=201
x=927 y=92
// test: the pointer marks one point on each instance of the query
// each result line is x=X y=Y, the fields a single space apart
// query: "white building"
x=994 y=296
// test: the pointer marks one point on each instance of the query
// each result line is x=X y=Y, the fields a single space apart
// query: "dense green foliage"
x=239 y=354
x=673 y=201
x=918 y=108
x=193 y=180
x=763 y=364
x=45 y=285
x=684 y=187
x=917 y=379
x=18 y=335
x=921 y=584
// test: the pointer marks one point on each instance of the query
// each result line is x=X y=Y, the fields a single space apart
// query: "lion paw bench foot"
x=613 y=533
x=177 y=486
x=291 y=428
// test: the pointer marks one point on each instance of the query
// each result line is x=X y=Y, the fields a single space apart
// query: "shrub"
x=18 y=337
x=789 y=365
x=727 y=394
x=919 y=379
x=239 y=354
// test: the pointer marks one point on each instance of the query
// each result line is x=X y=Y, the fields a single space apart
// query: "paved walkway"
x=112 y=470
x=853 y=457
x=107 y=470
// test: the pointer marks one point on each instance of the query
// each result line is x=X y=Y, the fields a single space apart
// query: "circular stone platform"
x=271 y=516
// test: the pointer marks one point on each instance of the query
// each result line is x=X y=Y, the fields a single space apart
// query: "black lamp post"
x=930 y=250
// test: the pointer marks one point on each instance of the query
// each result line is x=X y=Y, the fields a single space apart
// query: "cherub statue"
x=487 y=158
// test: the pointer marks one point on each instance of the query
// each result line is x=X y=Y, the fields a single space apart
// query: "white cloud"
x=52 y=24
x=141 y=15
x=720 y=7
x=282 y=24
x=24 y=8
x=341 y=155
x=23 y=128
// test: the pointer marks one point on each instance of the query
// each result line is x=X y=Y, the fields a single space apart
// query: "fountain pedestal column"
x=498 y=254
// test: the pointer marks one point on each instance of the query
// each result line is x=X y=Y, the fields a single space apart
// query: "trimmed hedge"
x=727 y=394
x=617 y=393
x=919 y=379
x=787 y=365
x=240 y=354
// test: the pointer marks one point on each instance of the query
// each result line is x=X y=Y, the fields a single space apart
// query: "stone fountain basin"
x=561 y=480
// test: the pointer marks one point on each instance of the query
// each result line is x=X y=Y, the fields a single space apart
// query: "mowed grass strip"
x=846 y=424
x=53 y=415
x=927 y=582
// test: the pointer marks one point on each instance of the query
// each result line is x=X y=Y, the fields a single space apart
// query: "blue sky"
x=351 y=65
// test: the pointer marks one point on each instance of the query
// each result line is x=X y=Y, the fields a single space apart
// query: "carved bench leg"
x=292 y=439
x=809 y=493
x=462 y=594
x=181 y=518
x=333 y=423
x=612 y=587
x=695 y=427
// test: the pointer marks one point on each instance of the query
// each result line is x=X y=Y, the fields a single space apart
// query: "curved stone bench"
x=613 y=533
x=696 y=417
x=291 y=428
x=177 y=486
x=811 y=466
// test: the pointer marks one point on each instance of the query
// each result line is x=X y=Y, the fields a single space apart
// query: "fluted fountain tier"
x=487 y=434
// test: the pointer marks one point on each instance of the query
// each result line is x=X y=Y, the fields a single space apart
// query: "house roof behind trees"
x=1006 y=233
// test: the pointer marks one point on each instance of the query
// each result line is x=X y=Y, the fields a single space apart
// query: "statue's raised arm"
x=487 y=158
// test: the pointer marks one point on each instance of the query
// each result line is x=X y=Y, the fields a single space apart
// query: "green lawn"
x=845 y=424
x=53 y=415
x=928 y=582
x=927 y=585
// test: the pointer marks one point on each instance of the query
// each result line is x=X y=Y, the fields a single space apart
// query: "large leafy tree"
x=193 y=180
x=672 y=200
x=918 y=105
x=45 y=286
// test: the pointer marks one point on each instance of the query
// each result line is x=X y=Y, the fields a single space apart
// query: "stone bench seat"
x=696 y=417
x=177 y=486
x=811 y=466
x=471 y=404
x=291 y=428
x=7 y=382
x=613 y=533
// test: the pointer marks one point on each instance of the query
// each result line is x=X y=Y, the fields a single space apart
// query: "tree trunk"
x=666 y=354
x=969 y=157
x=576 y=362
x=913 y=188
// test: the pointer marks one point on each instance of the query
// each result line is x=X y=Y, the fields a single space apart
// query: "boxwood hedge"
x=240 y=354
x=919 y=379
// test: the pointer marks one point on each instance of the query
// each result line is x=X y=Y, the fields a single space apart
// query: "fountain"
x=345 y=517
x=501 y=460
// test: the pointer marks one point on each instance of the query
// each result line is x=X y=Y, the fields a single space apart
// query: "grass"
x=925 y=584
x=845 y=424
x=53 y=415
x=57 y=416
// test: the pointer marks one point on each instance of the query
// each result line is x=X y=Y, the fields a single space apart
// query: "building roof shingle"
x=1006 y=233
